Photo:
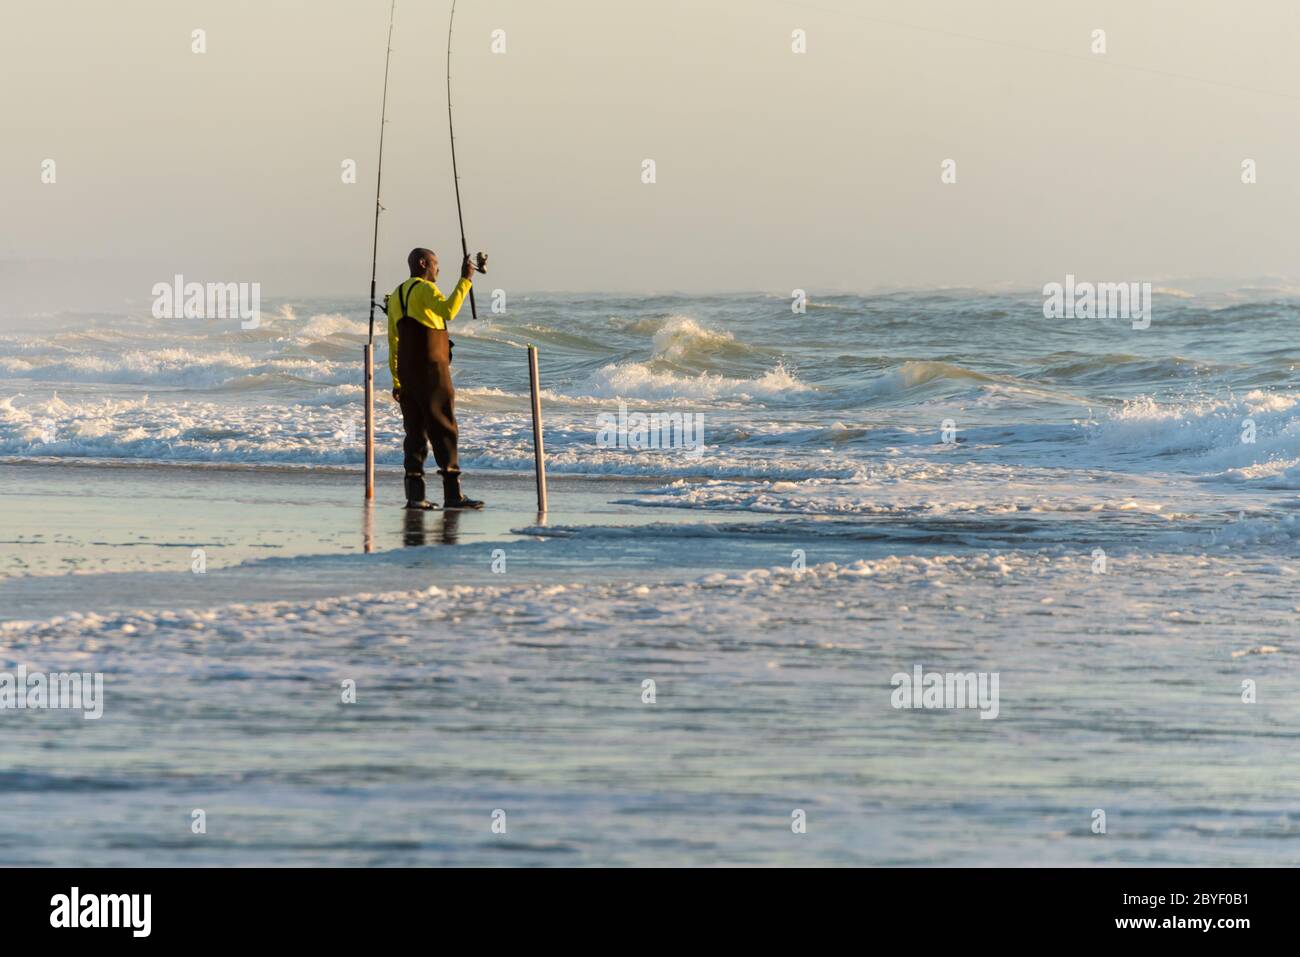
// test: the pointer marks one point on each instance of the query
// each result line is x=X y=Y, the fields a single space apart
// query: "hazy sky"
x=775 y=170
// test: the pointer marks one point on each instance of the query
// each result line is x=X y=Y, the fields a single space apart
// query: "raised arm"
x=446 y=307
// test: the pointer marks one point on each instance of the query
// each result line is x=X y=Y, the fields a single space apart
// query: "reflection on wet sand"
x=416 y=534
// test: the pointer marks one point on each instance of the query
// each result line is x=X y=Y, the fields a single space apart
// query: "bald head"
x=423 y=263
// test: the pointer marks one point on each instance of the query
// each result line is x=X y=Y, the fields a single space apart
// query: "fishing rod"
x=481 y=264
x=379 y=169
x=369 y=351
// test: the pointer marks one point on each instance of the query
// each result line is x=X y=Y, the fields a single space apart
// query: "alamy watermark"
x=1102 y=300
x=936 y=689
x=22 y=690
x=678 y=431
x=130 y=911
x=213 y=300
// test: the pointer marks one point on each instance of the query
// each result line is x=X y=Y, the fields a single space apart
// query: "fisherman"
x=419 y=355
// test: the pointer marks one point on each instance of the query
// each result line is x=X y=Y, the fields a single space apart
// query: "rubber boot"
x=452 y=497
x=415 y=493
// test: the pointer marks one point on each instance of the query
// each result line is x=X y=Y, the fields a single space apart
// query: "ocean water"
x=1104 y=517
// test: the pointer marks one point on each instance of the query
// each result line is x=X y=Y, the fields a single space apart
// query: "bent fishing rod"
x=369 y=351
x=481 y=263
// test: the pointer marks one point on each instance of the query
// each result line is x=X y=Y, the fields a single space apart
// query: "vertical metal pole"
x=370 y=421
x=539 y=454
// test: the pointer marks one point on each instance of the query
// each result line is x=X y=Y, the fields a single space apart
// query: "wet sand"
x=83 y=537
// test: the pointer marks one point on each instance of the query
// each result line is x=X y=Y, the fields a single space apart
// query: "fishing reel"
x=480 y=262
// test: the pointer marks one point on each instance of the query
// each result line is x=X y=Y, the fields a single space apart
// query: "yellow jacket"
x=426 y=304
